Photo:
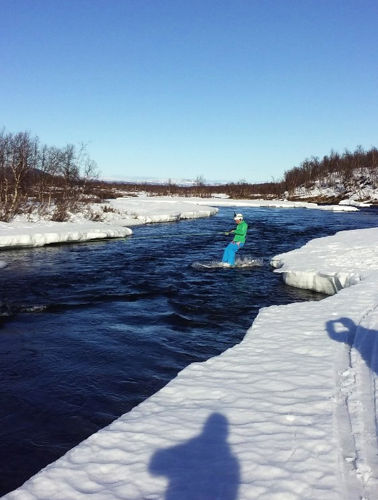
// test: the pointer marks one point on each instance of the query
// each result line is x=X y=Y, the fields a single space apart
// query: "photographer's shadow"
x=363 y=339
x=203 y=468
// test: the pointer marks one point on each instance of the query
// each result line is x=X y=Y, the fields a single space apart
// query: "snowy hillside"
x=360 y=186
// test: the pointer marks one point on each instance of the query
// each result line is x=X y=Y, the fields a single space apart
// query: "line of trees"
x=58 y=181
x=47 y=178
x=343 y=167
x=237 y=190
x=338 y=168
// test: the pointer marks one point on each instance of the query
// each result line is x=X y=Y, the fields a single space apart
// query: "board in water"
x=246 y=262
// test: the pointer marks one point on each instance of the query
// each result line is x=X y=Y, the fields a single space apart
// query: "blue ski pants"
x=230 y=252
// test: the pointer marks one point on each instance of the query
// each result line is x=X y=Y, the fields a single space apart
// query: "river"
x=89 y=330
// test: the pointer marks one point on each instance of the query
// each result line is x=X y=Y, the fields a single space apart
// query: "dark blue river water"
x=88 y=331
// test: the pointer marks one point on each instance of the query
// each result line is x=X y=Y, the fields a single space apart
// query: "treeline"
x=236 y=190
x=55 y=182
x=48 y=179
x=334 y=168
x=341 y=167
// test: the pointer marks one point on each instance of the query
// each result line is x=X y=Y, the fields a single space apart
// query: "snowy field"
x=288 y=414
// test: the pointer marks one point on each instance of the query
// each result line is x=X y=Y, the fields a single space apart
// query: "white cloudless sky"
x=229 y=90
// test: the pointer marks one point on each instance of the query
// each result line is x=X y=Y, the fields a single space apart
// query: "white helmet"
x=238 y=217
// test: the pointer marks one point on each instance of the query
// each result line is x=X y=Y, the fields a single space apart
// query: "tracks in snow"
x=356 y=408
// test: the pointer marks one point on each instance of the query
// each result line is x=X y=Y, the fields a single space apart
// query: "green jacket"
x=240 y=232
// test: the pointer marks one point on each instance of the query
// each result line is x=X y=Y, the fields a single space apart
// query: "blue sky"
x=229 y=90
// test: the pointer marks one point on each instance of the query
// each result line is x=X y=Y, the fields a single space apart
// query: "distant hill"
x=360 y=186
x=351 y=176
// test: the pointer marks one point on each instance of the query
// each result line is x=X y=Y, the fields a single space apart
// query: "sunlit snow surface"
x=331 y=263
x=289 y=413
x=127 y=212
x=221 y=202
x=123 y=213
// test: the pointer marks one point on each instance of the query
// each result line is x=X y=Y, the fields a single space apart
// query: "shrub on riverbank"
x=45 y=179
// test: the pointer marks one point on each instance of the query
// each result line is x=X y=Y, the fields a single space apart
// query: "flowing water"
x=88 y=331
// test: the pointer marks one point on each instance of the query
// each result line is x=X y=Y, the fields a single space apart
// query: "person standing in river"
x=237 y=243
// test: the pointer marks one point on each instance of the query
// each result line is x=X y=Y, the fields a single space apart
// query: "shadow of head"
x=202 y=467
x=363 y=339
x=342 y=330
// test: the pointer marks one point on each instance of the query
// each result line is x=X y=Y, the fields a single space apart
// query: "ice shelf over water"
x=123 y=212
x=37 y=234
x=331 y=263
x=289 y=413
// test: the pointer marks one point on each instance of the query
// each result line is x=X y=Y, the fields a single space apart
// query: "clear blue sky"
x=226 y=89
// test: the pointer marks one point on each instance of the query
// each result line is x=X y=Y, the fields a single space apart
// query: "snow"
x=142 y=210
x=354 y=203
x=120 y=214
x=35 y=234
x=288 y=414
x=335 y=261
x=125 y=212
x=360 y=186
x=267 y=203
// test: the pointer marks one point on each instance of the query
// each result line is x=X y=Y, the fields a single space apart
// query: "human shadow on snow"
x=202 y=468
x=363 y=339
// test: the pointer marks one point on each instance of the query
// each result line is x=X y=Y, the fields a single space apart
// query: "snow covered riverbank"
x=229 y=202
x=122 y=213
x=125 y=213
x=335 y=262
x=289 y=413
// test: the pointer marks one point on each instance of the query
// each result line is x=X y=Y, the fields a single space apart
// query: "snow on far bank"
x=221 y=202
x=142 y=210
x=2 y=264
x=360 y=186
x=354 y=203
x=289 y=413
x=123 y=212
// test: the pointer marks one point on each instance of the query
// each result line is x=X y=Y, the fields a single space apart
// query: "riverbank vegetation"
x=55 y=182
x=334 y=177
x=327 y=180
x=45 y=179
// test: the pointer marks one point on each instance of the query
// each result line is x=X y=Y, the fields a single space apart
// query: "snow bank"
x=142 y=210
x=123 y=212
x=354 y=203
x=269 y=203
x=362 y=185
x=289 y=413
x=36 y=234
x=329 y=264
